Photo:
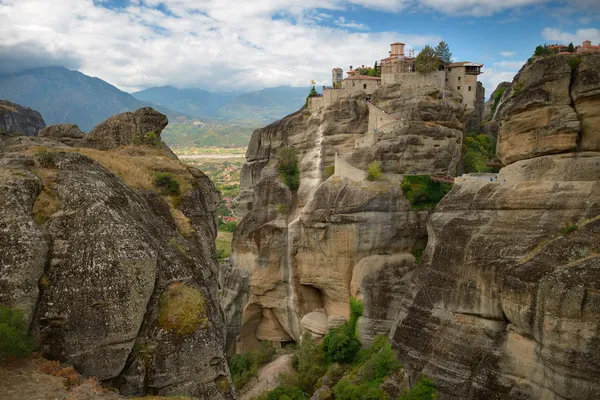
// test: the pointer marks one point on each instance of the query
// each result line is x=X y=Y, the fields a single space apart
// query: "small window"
x=458 y=88
x=459 y=78
x=449 y=69
x=446 y=79
x=469 y=88
x=365 y=86
x=353 y=84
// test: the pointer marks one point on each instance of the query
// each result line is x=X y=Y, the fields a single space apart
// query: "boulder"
x=142 y=126
x=316 y=322
x=69 y=134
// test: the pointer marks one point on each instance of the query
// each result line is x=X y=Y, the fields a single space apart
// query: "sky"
x=235 y=45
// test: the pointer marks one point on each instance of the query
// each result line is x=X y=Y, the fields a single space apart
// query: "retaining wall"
x=414 y=80
x=345 y=170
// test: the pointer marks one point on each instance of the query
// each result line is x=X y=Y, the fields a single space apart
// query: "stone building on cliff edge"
x=399 y=69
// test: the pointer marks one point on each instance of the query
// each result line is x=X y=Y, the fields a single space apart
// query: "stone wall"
x=314 y=103
x=345 y=170
x=352 y=86
x=378 y=118
x=414 y=80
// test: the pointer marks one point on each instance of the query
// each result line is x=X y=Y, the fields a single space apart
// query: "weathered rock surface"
x=112 y=258
x=546 y=107
x=478 y=115
x=15 y=118
x=127 y=128
x=505 y=304
x=69 y=134
x=295 y=252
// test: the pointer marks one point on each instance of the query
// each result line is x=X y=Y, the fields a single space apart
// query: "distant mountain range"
x=197 y=117
x=263 y=106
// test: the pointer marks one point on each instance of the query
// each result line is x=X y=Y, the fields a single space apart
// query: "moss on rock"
x=181 y=309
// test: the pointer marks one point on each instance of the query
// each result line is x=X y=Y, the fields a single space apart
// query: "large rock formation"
x=298 y=256
x=16 y=119
x=506 y=304
x=69 y=134
x=116 y=277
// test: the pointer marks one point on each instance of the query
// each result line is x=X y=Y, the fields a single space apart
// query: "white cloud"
x=556 y=35
x=342 y=23
x=477 y=8
x=507 y=53
x=492 y=77
x=210 y=44
x=509 y=64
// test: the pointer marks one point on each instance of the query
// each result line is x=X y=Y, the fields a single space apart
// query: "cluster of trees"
x=375 y=71
x=543 y=50
x=430 y=59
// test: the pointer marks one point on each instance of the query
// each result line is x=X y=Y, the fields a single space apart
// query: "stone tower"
x=337 y=75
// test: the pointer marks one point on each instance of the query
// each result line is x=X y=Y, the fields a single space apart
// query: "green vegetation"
x=148 y=139
x=422 y=192
x=418 y=253
x=358 y=377
x=312 y=93
x=568 y=228
x=283 y=208
x=478 y=151
x=342 y=344
x=518 y=86
x=427 y=61
x=184 y=132
x=245 y=366
x=374 y=171
x=574 y=62
x=541 y=51
x=223 y=243
x=166 y=182
x=442 y=51
x=571 y=48
x=328 y=171
x=227 y=226
x=423 y=390
x=46 y=159
x=288 y=167
x=181 y=309
x=14 y=339
x=497 y=97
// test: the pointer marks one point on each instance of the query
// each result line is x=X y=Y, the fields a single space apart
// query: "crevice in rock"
x=571 y=83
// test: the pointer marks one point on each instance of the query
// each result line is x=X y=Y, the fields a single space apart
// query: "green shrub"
x=497 y=97
x=422 y=390
x=149 y=139
x=329 y=171
x=518 y=87
x=309 y=362
x=227 y=226
x=342 y=344
x=282 y=209
x=422 y=192
x=568 y=228
x=14 y=338
x=166 y=182
x=574 y=62
x=374 y=171
x=418 y=253
x=478 y=150
x=346 y=390
x=46 y=159
x=288 y=167
x=244 y=366
x=287 y=393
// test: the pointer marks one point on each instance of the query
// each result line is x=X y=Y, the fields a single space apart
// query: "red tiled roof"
x=363 y=77
x=464 y=64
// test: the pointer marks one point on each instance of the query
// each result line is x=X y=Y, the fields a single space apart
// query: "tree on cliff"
x=442 y=51
x=571 y=48
x=427 y=60
x=375 y=71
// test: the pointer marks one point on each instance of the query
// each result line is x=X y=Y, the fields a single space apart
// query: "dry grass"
x=45 y=205
x=181 y=220
x=72 y=378
x=181 y=309
x=9 y=108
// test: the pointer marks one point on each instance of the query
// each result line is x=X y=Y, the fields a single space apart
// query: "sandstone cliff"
x=298 y=256
x=506 y=303
x=15 y=118
x=116 y=276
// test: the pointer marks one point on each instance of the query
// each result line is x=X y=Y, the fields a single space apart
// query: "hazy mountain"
x=65 y=96
x=262 y=106
x=194 y=102
x=265 y=105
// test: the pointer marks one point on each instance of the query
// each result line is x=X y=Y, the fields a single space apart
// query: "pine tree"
x=571 y=48
x=427 y=61
x=313 y=92
x=442 y=50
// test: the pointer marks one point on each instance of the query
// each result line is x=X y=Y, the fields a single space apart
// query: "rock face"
x=69 y=134
x=478 y=116
x=18 y=119
x=505 y=304
x=102 y=263
x=298 y=256
x=127 y=128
